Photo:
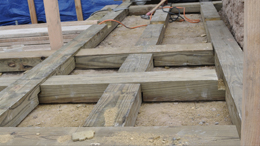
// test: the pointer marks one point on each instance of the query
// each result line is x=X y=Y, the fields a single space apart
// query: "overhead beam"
x=250 y=106
x=32 y=11
x=78 y=10
x=192 y=135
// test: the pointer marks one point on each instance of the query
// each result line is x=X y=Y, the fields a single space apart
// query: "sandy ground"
x=183 y=114
x=185 y=32
x=130 y=36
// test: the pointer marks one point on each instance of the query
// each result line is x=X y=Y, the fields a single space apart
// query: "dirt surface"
x=183 y=114
x=233 y=14
x=58 y=115
x=122 y=37
x=185 y=32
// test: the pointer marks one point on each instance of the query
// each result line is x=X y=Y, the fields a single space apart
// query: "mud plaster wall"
x=233 y=14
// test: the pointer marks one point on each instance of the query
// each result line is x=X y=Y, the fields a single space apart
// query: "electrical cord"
x=172 y=15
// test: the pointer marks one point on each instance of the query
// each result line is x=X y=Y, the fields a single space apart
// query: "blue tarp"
x=17 y=10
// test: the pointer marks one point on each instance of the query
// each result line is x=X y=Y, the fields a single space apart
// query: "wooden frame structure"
x=47 y=81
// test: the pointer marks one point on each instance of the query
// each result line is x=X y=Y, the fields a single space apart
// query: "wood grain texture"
x=193 y=135
x=137 y=63
x=117 y=107
x=52 y=14
x=152 y=35
x=190 y=8
x=61 y=62
x=177 y=85
x=230 y=64
x=78 y=10
x=32 y=11
x=250 y=107
x=163 y=55
x=160 y=17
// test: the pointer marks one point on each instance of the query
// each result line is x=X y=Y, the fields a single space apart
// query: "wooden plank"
x=191 y=135
x=137 y=63
x=190 y=8
x=33 y=32
x=250 y=106
x=208 y=13
x=32 y=11
x=52 y=14
x=160 y=17
x=61 y=62
x=118 y=106
x=79 y=10
x=152 y=35
x=177 y=85
x=230 y=64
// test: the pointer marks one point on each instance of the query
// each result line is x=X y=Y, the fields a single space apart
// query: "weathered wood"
x=32 y=11
x=177 y=85
x=190 y=8
x=160 y=17
x=52 y=14
x=152 y=35
x=137 y=63
x=79 y=10
x=191 y=135
x=118 y=106
x=230 y=67
x=208 y=13
x=250 y=107
x=33 y=32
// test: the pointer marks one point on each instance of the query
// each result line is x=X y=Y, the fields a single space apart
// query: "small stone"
x=178 y=138
x=78 y=106
x=38 y=123
x=37 y=134
x=131 y=138
x=151 y=140
x=203 y=35
x=201 y=123
x=193 y=108
x=110 y=43
x=35 y=117
x=163 y=142
x=83 y=135
x=216 y=123
x=214 y=109
x=76 y=119
x=164 y=139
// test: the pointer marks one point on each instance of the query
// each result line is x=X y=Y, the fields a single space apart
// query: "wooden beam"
x=160 y=17
x=32 y=11
x=79 y=10
x=53 y=21
x=250 y=107
x=191 y=135
x=177 y=85
x=229 y=60
x=190 y=8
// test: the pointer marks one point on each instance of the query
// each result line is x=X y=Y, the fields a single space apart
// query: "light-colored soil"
x=122 y=37
x=185 y=32
x=58 y=115
x=183 y=114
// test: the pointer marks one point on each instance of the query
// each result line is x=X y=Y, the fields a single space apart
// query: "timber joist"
x=121 y=93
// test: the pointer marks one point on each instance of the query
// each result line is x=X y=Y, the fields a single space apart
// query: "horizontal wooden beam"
x=163 y=55
x=188 y=135
x=178 y=85
x=190 y=8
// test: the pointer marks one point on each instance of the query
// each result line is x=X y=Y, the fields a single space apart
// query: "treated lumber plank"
x=118 y=106
x=152 y=35
x=33 y=32
x=250 y=106
x=191 y=135
x=137 y=63
x=163 y=55
x=160 y=17
x=190 y=8
x=52 y=14
x=79 y=10
x=177 y=85
x=32 y=11
x=230 y=64
x=61 y=62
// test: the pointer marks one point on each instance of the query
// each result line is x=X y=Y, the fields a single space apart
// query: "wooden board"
x=190 y=8
x=191 y=135
x=78 y=10
x=32 y=11
x=230 y=60
x=177 y=85
x=137 y=63
x=160 y=17
x=152 y=35
x=117 y=107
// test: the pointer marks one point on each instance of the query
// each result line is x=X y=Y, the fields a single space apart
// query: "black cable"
x=173 y=16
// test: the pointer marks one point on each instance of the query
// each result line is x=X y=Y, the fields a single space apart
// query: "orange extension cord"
x=186 y=19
